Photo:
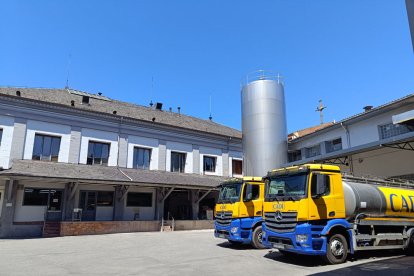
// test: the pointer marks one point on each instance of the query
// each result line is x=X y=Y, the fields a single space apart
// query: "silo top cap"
x=261 y=75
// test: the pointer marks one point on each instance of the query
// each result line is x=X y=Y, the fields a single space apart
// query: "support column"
x=162 y=194
x=195 y=203
x=119 y=203
x=71 y=190
x=9 y=203
x=196 y=197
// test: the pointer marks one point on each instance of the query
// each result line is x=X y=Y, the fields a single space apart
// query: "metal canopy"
x=406 y=118
x=403 y=146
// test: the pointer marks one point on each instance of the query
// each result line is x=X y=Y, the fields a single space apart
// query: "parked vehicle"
x=238 y=212
x=315 y=210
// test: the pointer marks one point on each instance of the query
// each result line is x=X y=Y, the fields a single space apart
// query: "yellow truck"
x=238 y=212
x=313 y=209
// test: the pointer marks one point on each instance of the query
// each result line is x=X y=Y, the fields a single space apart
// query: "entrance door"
x=1 y=200
x=54 y=205
x=87 y=203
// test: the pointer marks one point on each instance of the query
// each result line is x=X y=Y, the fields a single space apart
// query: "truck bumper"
x=310 y=243
x=237 y=235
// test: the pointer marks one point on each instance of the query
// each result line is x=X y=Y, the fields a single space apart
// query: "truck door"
x=322 y=206
x=252 y=203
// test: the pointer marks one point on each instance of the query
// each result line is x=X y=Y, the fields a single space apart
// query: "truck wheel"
x=337 y=249
x=257 y=238
x=410 y=249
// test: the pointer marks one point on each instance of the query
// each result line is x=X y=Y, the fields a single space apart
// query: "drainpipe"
x=348 y=141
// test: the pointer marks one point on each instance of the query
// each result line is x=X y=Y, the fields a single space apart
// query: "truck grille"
x=286 y=221
x=224 y=218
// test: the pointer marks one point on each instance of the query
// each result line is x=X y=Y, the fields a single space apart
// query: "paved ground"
x=174 y=253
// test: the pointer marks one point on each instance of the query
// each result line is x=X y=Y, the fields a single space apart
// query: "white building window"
x=178 y=161
x=98 y=153
x=142 y=158
x=209 y=164
x=46 y=148
x=313 y=151
x=333 y=145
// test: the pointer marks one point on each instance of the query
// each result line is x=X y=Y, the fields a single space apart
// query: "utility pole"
x=320 y=109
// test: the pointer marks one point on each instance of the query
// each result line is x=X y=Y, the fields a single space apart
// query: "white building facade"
x=67 y=155
x=378 y=142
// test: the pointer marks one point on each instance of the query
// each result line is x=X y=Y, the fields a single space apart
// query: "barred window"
x=333 y=145
x=391 y=130
x=313 y=151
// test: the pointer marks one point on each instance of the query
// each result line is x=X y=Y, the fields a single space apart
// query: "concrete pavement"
x=168 y=253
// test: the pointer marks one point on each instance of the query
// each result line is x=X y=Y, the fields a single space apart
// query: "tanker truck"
x=238 y=212
x=313 y=209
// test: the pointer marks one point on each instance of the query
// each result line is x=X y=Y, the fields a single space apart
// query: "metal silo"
x=263 y=123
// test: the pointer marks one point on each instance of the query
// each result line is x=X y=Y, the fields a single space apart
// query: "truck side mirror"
x=320 y=185
x=248 y=193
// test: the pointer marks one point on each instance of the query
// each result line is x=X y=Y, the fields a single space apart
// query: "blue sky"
x=349 y=53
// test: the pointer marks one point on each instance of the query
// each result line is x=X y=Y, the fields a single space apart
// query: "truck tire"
x=257 y=238
x=336 y=250
x=410 y=248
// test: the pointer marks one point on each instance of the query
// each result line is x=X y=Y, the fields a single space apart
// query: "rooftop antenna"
x=320 y=109
x=210 y=117
x=152 y=88
x=68 y=70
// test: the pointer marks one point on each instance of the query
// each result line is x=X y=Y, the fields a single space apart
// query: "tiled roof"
x=102 y=104
x=88 y=173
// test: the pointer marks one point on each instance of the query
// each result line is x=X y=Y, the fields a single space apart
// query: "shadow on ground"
x=236 y=246
x=314 y=261
x=395 y=266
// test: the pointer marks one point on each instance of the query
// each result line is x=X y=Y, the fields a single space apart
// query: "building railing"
x=261 y=75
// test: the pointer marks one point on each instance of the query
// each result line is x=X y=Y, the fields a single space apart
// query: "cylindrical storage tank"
x=377 y=201
x=263 y=123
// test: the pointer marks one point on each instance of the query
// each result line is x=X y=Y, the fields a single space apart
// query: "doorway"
x=87 y=202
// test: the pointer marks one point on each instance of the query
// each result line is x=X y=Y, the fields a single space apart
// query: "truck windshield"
x=230 y=193
x=286 y=187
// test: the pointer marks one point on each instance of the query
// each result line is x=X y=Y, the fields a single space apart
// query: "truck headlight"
x=301 y=237
x=234 y=230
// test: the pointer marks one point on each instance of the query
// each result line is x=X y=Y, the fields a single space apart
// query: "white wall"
x=37 y=127
x=145 y=213
x=32 y=213
x=99 y=136
x=180 y=147
x=143 y=142
x=7 y=125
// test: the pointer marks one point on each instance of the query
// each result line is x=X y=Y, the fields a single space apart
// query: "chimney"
x=158 y=106
x=367 y=108
x=179 y=110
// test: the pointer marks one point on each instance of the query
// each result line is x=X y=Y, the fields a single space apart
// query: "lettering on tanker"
x=404 y=203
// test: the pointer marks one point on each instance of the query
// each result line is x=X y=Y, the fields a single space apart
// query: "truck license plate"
x=278 y=246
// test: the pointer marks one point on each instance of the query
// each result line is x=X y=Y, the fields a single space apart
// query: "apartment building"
x=76 y=158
